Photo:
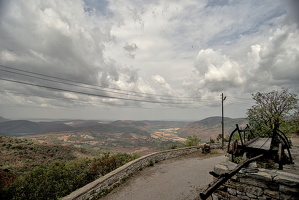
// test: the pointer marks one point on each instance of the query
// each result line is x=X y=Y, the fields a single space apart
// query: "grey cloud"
x=58 y=41
x=43 y=43
x=280 y=56
x=293 y=14
x=3 y=7
x=131 y=49
x=133 y=76
x=275 y=63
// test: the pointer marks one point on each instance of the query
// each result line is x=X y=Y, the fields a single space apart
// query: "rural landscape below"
x=95 y=91
x=142 y=137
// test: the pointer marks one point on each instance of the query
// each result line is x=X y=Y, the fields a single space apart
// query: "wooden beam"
x=224 y=177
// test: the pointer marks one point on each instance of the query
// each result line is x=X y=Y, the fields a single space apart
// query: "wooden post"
x=222 y=122
x=280 y=153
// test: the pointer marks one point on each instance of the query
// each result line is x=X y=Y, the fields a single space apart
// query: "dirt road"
x=174 y=179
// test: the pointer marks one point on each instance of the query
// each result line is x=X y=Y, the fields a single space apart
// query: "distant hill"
x=107 y=128
x=128 y=123
x=84 y=123
x=123 y=135
x=2 y=119
x=24 y=127
x=149 y=125
x=19 y=127
x=210 y=127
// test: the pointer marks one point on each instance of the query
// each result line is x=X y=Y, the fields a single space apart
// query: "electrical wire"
x=93 y=103
x=174 y=99
x=77 y=82
x=91 y=94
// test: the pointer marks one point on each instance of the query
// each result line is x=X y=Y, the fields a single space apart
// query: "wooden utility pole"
x=222 y=123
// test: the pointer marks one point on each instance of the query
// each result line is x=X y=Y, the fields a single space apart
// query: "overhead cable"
x=90 y=94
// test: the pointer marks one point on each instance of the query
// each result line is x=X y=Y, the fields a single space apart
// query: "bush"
x=49 y=182
x=60 y=178
x=192 y=141
x=109 y=162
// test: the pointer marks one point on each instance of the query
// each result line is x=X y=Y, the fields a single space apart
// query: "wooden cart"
x=243 y=141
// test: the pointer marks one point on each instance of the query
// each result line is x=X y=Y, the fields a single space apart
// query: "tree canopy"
x=271 y=110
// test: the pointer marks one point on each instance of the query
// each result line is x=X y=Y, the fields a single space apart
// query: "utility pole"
x=222 y=99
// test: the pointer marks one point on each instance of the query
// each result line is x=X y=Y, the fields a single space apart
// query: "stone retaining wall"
x=116 y=177
x=256 y=183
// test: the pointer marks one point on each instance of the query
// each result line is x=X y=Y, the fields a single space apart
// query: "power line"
x=81 y=86
x=91 y=94
x=87 y=102
x=238 y=100
x=104 y=89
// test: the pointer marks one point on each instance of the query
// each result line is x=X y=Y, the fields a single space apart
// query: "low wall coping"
x=277 y=176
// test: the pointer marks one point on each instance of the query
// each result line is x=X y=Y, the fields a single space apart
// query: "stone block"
x=240 y=193
x=252 y=196
x=259 y=183
x=215 y=197
x=221 y=194
x=271 y=193
x=231 y=184
x=224 y=167
x=233 y=198
x=292 y=181
x=243 y=197
x=240 y=187
x=288 y=196
x=261 y=175
x=264 y=197
x=254 y=190
x=232 y=191
x=289 y=190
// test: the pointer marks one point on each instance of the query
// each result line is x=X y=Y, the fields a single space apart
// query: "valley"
x=142 y=137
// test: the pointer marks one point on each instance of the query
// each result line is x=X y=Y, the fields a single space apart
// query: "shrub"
x=192 y=141
x=109 y=162
x=49 y=182
x=60 y=178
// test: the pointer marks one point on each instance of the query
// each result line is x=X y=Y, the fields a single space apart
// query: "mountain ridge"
x=122 y=135
x=211 y=127
x=2 y=119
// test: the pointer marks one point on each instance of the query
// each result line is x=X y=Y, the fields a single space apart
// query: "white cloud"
x=217 y=72
x=182 y=48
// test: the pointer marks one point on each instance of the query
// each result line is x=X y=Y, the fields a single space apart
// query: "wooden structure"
x=243 y=141
x=224 y=177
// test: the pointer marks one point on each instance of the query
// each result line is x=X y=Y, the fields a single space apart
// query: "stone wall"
x=106 y=183
x=256 y=183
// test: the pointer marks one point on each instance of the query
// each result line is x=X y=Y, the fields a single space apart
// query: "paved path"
x=174 y=179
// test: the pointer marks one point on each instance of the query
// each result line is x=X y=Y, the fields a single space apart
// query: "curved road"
x=180 y=178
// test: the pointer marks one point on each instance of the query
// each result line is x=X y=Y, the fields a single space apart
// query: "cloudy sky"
x=144 y=59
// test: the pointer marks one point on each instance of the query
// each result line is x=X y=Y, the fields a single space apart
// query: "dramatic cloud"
x=217 y=72
x=274 y=64
x=183 y=54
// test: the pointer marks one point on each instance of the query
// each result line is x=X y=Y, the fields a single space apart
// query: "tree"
x=192 y=141
x=271 y=110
